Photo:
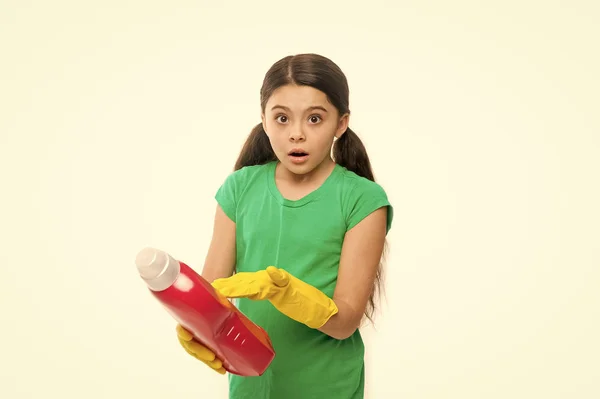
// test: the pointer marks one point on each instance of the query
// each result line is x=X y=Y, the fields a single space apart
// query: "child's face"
x=301 y=118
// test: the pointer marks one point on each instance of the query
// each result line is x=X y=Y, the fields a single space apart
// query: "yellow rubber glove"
x=290 y=295
x=199 y=351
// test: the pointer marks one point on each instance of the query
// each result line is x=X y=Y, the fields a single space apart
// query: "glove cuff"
x=305 y=303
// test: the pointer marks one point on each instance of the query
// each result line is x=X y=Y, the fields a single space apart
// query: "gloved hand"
x=290 y=295
x=199 y=351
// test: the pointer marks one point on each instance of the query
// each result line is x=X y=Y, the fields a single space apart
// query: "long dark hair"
x=348 y=151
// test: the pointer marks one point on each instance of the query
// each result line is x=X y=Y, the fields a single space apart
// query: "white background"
x=119 y=120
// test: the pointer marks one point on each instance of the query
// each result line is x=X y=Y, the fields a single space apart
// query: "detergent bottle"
x=244 y=348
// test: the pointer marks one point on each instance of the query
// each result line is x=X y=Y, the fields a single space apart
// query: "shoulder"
x=361 y=197
x=362 y=184
x=236 y=184
x=244 y=176
x=356 y=186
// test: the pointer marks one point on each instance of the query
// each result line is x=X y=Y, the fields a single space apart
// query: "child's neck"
x=293 y=186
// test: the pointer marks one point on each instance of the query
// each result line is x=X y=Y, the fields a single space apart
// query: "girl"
x=299 y=233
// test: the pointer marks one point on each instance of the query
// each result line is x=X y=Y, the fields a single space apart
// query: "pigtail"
x=350 y=152
x=257 y=149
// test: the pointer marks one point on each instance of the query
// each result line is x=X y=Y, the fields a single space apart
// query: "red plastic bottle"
x=244 y=348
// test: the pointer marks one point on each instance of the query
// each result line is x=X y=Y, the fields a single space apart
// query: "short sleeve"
x=226 y=196
x=366 y=198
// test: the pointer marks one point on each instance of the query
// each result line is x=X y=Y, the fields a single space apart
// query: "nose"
x=296 y=134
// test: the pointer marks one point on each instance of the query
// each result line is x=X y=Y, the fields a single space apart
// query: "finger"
x=215 y=364
x=186 y=346
x=234 y=278
x=279 y=277
x=198 y=350
x=201 y=351
x=183 y=333
x=235 y=290
x=189 y=352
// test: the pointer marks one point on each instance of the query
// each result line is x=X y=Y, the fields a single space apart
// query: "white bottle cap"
x=157 y=268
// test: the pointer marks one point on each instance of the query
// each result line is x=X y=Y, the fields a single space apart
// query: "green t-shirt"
x=305 y=238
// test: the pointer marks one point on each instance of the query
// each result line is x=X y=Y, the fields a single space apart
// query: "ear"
x=262 y=118
x=342 y=125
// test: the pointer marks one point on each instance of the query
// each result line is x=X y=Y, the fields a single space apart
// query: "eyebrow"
x=314 y=107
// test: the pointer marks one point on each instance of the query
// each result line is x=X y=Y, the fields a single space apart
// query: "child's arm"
x=361 y=254
x=221 y=256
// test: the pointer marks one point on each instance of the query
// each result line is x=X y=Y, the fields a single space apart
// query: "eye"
x=315 y=119
x=281 y=118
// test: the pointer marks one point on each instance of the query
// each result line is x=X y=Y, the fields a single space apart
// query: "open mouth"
x=298 y=154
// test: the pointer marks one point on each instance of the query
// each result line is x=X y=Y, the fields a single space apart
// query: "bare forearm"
x=344 y=323
x=211 y=274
